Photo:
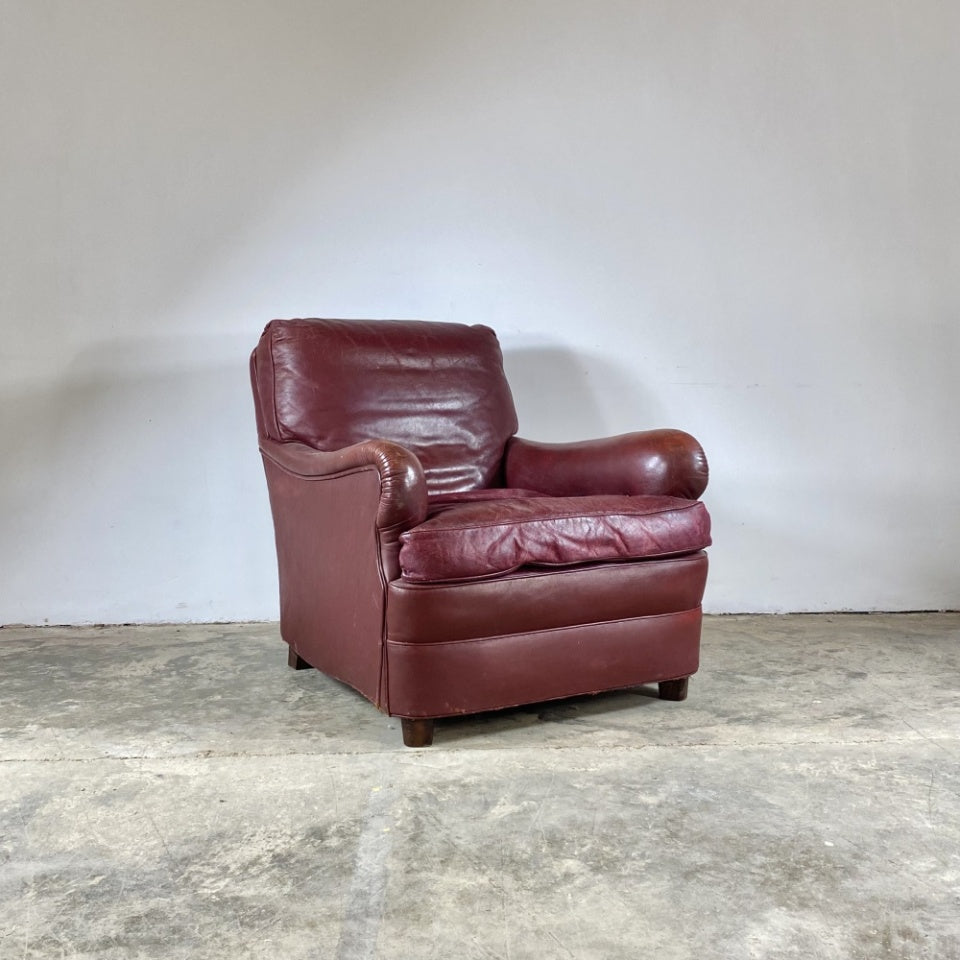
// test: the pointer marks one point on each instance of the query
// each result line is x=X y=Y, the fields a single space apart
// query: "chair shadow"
x=570 y=710
x=562 y=395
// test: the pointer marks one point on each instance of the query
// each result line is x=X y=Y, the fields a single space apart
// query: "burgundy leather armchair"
x=440 y=564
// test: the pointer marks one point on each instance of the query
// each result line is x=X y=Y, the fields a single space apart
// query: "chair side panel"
x=331 y=585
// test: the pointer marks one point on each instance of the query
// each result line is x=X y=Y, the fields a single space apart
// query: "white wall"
x=740 y=218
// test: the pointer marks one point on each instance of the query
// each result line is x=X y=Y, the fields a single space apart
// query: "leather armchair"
x=440 y=564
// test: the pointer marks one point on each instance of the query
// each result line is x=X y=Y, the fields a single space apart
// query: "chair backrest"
x=437 y=389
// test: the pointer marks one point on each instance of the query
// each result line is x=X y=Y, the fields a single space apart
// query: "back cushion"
x=437 y=389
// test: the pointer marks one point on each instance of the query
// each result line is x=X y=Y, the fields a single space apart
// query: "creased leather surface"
x=484 y=539
x=443 y=679
x=542 y=598
x=437 y=389
x=473 y=496
x=661 y=462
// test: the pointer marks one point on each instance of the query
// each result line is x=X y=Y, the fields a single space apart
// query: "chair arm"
x=661 y=462
x=403 y=489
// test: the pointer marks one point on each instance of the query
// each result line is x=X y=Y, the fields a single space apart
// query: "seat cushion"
x=471 y=540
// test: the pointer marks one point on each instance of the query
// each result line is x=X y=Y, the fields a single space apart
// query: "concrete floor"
x=179 y=792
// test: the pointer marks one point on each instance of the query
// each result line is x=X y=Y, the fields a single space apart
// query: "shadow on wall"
x=134 y=490
x=561 y=395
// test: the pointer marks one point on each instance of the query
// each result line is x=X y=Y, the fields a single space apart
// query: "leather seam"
x=548 y=571
x=350 y=471
x=273 y=384
x=496 y=574
x=535 y=633
x=383 y=692
x=570 y=516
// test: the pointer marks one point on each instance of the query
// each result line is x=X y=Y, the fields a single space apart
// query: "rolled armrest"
x=660 y=462
x=403 y=489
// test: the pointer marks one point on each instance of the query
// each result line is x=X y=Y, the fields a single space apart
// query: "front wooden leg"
x=416 y=733
x=296 y=662
x=674 y=689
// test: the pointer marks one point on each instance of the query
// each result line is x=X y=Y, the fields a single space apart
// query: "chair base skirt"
x=445 y=679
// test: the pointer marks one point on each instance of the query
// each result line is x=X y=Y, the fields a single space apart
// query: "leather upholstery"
x=541 y=598
x=445 y=679
x=666 y=463
x=483 y=539
x=437 y=389
x=403 y=490
x=372 y=433
x=331 y=598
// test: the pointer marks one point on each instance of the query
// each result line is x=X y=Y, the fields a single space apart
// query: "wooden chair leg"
x=416 y=733
x=296 y=662
x=674 y=689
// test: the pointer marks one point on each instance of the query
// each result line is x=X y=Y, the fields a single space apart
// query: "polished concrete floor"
x=177 y=791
